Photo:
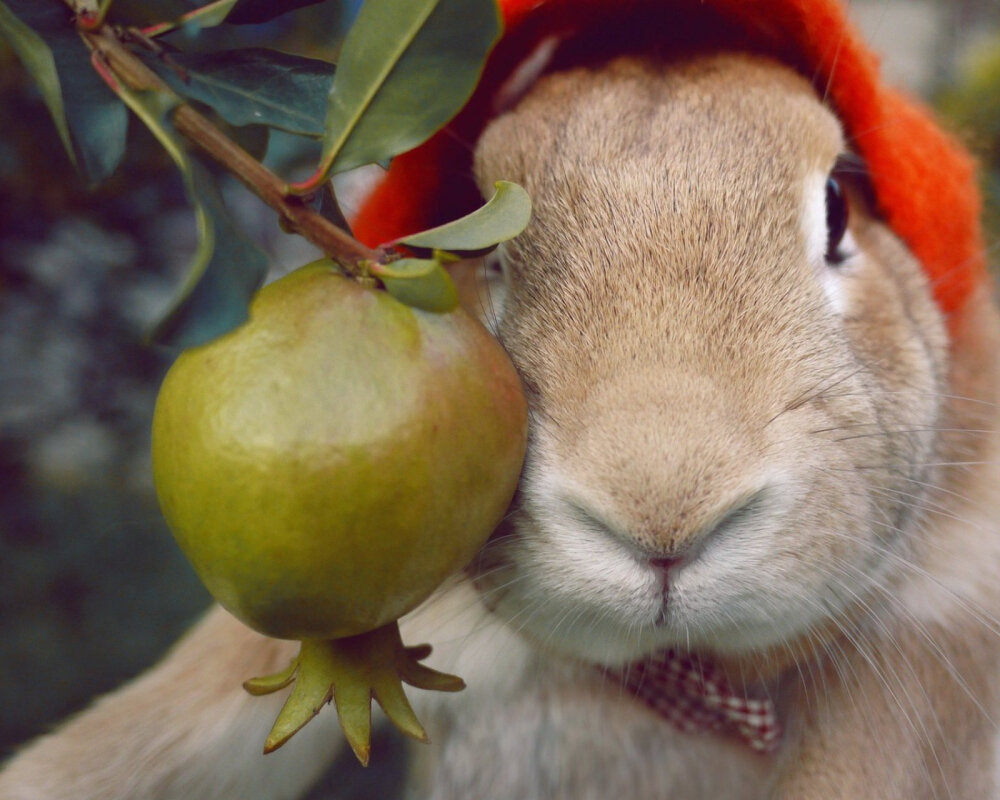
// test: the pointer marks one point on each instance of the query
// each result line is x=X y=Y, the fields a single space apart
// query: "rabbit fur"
x=811 y=440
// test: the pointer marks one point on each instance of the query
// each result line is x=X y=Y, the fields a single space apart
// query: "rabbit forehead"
x=746 y=104
x=683 y=222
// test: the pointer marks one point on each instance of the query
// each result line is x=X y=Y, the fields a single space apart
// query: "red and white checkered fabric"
x=693 y=695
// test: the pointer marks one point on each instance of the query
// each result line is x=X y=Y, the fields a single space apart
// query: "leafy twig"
x=295 y=215
x=216 y=10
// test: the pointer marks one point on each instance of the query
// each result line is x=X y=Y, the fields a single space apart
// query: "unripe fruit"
x=329 y=463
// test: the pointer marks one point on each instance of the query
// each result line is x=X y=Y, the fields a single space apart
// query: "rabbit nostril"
x=665 y=563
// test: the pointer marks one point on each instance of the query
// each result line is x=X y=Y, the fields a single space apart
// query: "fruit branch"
x=295 y=215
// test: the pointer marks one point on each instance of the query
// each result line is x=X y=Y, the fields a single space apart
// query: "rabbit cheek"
x=564 y=580
x=818 y=531
x=877 y=435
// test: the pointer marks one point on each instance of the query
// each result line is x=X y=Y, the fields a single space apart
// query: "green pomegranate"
x=327 y=465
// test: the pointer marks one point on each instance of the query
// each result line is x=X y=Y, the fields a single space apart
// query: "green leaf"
x=227 y=268
x=255 y=86
x=218 y=290
x=252 y=12
x=406 y=268
x=505 y=215
x=206 y=16
x=326 y=205
x=96 y=120
x=210 y=14
x=255 y=139
x=419 y=282
x=406 y=68
x=40 y=64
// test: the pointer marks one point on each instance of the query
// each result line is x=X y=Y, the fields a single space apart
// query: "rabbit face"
x=731 y=414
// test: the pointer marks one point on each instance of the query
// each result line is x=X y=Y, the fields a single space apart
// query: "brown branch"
x=295 y=215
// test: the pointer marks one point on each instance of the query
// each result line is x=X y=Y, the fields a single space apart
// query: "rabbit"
x=753 y=437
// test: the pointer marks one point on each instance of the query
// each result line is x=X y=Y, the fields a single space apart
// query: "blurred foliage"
x=92 y=587
x=37 y=181
x=403 y=71
x=972 y=103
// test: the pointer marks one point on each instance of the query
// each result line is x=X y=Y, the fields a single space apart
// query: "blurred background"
x=92 y=588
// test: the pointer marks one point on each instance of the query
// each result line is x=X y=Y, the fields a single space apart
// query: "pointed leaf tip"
x=255 y=85
x=37 y=58
x=92 y=122
x=227 y=267
x=505 y=215
x=419 y=282
x=404 y=71
x=254 y=12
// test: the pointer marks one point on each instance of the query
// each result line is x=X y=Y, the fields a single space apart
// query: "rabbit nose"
x=672 y=544
x=665 y=563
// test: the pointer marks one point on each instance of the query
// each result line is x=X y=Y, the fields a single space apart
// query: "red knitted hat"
x=924 y=181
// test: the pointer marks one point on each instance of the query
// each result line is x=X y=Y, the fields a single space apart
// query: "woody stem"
x=295 y=215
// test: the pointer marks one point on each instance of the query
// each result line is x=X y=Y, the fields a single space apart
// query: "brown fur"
x=681 y=358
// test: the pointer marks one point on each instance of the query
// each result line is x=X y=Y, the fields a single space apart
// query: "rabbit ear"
x=521 y=80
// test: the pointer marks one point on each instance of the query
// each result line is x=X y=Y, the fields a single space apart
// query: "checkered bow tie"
x=693 y=695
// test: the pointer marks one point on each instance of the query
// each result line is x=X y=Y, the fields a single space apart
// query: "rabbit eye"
x=836 y=221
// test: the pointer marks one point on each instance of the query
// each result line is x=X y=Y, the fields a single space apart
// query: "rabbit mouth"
x=592 y=598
